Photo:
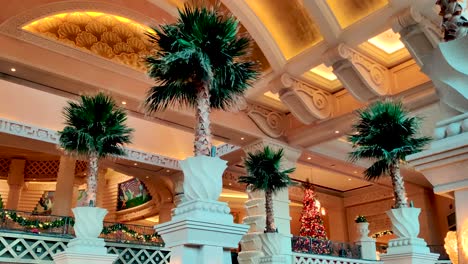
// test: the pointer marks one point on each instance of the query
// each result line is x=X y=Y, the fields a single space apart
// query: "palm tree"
x=95 y=128
x=264 y=173
x=201 y=63
x=386 y=134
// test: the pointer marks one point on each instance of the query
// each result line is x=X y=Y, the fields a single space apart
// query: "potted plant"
x=264 y=173
x=202 y=63
x=362 y=227
x=385 y=133
x=95 y=129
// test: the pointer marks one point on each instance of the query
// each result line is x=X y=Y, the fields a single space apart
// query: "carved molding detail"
x=47 y=135
x=306 y=102
x=364 y=78
x=419 y=35
x=271 y=122
x=452 y=127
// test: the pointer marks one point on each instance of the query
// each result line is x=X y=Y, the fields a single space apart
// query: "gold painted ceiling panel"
x=115 y=38
x=348 y=12
x=289 y=23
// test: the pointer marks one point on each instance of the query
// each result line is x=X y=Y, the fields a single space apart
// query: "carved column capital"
x=306 y=102
x=291 y=155
x=270 y=121
x=364 y=78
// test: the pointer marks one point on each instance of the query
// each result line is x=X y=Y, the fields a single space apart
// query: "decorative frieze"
x=451 y=127
x=271 y=122
x=306 y=102
x=47 y=135
x=364 y=78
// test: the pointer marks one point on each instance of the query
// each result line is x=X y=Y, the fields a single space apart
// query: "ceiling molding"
x=271 y=122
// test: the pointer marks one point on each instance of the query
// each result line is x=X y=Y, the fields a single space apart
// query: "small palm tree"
x=264 y=173
x=95 y=128
x=200 y=63
x=386 y=134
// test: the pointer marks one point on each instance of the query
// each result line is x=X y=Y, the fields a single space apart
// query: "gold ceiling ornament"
x=113 y=37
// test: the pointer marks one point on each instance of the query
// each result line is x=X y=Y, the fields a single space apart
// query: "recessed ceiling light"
x=135 y=164
x=242 y=138
x=354 y=172
x=13 y=69
x=230 y=184
x=309 y=158
x=349 y=179
x=147 y=177
x=34 y=179
x=337 y=131
x=168 y=170
x=124 y=103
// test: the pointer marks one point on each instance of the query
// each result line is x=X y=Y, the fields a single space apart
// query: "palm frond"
x=202 y=46
x=264 y=171
x=95 y=124
x=387 y=133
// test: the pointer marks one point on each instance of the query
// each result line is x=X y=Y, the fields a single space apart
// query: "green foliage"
x=264 y=173
x=36 y=223
x=360 y=219
x=95 y=124
x=386 y=134
x=202 y=47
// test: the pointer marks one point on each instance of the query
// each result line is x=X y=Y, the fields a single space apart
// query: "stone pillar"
x=280 y=202
x=15 y=183
x=64 y=187
x=461 y=211
x=368 y=249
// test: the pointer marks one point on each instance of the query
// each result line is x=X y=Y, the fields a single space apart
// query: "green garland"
x=382 y=233
x=38 y=224
x=132 y=233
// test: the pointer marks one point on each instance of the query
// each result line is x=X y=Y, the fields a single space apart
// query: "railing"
x=60 y=226
x=302 y=258
x=314 y=246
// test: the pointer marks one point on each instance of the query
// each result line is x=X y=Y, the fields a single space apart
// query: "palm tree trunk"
x=398 y=186
x=270 y=221
x=202 y=144
x=92 y=180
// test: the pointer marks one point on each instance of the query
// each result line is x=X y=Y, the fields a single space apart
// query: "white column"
x=461 y=211
x=15 y=183
x=64 y=187
x=280 y=199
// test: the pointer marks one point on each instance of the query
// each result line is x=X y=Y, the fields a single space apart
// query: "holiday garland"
x=382 y=233
x=38 y=224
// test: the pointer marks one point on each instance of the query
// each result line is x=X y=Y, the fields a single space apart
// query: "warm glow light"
x=337 y=131
x=135 y=163
x=387 y=41
x=271 y=95
x=325 y=72
x=323 y=211
x=309 y=158
x=154 y=219
x=232 y=195
x=124 y=103
x=13 y=69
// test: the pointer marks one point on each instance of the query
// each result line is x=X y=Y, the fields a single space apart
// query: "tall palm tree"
x=386 y=134
x=201 y=63
x=95 y=128
x=264 y=173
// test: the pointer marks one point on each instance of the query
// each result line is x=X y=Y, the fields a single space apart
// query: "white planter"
x=271 y=243
x=203 y=177
x=256 y=223
x=405 y=221
x=251 y=242
x=88 y=221
x=363 y=231
x=255 y=207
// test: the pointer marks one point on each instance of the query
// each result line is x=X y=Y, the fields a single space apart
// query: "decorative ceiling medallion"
x=387 y=41
x=113 y=37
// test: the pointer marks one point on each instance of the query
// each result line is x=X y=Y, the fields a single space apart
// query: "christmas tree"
x=313 y=235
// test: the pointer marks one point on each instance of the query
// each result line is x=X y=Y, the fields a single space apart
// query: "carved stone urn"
x=363 y=231
x=88 y=226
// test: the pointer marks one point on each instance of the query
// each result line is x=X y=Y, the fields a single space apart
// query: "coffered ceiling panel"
x=289 y=23
x=348 y=12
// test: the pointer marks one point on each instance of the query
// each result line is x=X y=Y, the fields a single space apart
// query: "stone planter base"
x=273 y=260
x=81 y=258
x=249 y=257
x=410 y=258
